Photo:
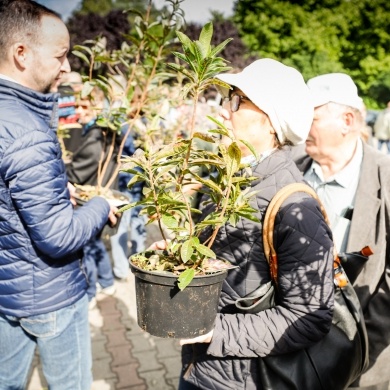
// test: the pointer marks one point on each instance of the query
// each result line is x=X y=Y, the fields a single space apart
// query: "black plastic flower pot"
x=108 y=229
x=163 y=310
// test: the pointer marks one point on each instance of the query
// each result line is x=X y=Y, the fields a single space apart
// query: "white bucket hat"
x=334 y=87
x=280 y=92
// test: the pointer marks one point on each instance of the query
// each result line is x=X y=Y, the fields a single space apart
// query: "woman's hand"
x=205 y=338
x=158 y=245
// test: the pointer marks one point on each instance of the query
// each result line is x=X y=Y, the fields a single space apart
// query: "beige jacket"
x=370 y=225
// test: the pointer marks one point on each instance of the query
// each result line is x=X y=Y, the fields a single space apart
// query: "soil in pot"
x=84 y=193
x=164 y=310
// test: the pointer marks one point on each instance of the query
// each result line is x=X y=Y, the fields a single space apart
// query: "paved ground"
x=124 y=356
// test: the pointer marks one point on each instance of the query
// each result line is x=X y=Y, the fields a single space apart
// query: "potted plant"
x=130 y=79
x=178 y=288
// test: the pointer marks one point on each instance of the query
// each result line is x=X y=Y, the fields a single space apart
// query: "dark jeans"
x=98 y=266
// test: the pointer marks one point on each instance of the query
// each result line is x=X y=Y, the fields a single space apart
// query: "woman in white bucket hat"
x=267 y=105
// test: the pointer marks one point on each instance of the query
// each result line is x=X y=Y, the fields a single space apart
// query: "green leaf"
x=208 y=183
x=134 y=11
x=169 y=221
x=84 y=48
x=180 y=56
x=250 y=147
x=205 y=251
x=222 y=132
x=127 y=207
x=87 y=89
x=205 y=38
x=233 y=158
x=185 y=278
x=220 y=47
x=185 y=41
x=187 y=250
x=198 y=52
x=175 y=67
x=249 y=216
x=217 y=122
x=233 y=219
x=81 y=55
x=204 y=137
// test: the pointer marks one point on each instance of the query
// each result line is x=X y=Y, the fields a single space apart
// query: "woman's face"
x=247 y=122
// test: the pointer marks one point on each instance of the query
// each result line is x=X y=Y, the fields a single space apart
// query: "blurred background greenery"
x=351 y=36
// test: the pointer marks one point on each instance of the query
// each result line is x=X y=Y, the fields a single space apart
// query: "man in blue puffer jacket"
x=42 y=284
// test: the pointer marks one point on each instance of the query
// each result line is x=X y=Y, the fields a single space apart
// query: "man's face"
x=85 y=111
x=325 y=134
x=48 y=57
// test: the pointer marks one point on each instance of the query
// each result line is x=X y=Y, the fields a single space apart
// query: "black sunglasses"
x=235 y=101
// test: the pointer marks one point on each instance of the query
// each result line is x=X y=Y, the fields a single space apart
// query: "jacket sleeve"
x=304 y=308
x=35 y=175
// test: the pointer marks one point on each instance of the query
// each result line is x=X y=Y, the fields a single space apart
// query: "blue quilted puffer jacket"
x=41 y=234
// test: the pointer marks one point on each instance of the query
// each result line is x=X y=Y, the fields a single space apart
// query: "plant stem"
x=107 y=162
x=155 y=199
x=187 y=203
x=223 y=211
x=186 y=159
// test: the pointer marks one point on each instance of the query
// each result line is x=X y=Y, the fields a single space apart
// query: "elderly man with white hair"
x=353 y=181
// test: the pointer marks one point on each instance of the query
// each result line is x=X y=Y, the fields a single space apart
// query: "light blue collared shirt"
x=337 y=193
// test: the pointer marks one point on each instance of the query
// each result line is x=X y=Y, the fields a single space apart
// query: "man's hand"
x=205 y=338
x=112 y=218
x=72 y=192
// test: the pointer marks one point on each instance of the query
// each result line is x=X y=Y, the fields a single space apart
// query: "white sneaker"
x=110 y=290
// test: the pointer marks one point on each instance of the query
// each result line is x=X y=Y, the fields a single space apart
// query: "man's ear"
x=19 y=52
x=349 y=119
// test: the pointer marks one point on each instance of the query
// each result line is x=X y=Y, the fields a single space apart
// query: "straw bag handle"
x=269 y=222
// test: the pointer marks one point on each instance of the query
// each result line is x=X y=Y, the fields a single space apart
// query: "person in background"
x=69 y=128
x=268 y=106
x=382 y=128
x=83 y=170
x=353 y=181
x=132 y=227
x=43 y=298
x=69 y=90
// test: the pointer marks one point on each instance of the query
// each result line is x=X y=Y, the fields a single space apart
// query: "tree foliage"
x=99 y=7
x=351 y=36
x=236 y=53
x=106 y=18
x=84 y=27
